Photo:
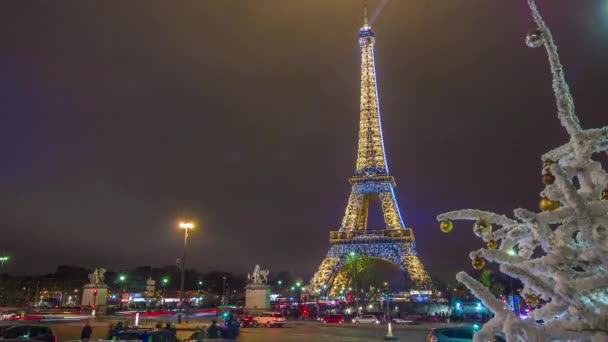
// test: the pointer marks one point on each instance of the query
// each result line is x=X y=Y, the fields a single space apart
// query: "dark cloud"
x=121 y=117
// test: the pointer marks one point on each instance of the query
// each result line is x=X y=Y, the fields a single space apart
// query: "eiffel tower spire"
x=371 y=157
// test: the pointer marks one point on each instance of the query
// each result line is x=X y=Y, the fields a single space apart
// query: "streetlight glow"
x=186 y=225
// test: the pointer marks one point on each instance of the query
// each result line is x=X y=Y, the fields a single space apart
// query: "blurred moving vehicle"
x=271 y=319
x=10 y=316
x=144 y=335
x=29 y=332
x=248 y=322
x=404 y=321
x=381 y=316
x=366 y=319
x=339 y=319
x=457 y=334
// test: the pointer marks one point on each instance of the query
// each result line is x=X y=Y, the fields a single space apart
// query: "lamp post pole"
x=355 y=285
x=185 y=226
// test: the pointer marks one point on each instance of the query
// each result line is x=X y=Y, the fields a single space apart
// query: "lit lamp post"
x=165 y=281
x=185 y=226
x=353 y=256
x=389 y=334
x=4 y=259
x=121 y=280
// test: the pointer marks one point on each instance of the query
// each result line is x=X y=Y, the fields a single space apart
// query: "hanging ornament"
x=544 y=204
x=547 y=204
x=482 y=227
x=604 y=195
x=446 y=226
x=478 y=263
x=492 y=244
x=547 y=162
x=548 y=179
x=532 y=300
x=555 y=205
x=535 y=38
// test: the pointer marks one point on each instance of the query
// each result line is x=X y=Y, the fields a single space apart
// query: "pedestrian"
x=87 y=331
x=170 y=327
x=213 y=330
x=198 y=334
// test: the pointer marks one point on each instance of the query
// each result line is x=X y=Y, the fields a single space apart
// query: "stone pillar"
x=257 y=298
x=89 y=299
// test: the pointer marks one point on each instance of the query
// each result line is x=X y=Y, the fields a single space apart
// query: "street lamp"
x=121 y=280
x=185 y=226
x=165 y=281
x=354 y=265
x=4 y=259
x=389 y=333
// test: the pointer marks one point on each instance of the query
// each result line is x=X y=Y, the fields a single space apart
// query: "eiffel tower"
x=371 y=182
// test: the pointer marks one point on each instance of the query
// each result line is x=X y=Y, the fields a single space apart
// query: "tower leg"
x=322 y=276
x=416 y=272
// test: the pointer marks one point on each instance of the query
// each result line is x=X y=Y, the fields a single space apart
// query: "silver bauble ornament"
x=535 y=38
x=482 y=227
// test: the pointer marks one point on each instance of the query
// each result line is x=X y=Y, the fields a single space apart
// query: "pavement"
x=293 y=331
x=319 y=332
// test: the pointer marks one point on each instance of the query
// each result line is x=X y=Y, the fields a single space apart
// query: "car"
x=29 y=332
x=366 y=319
x=10 y=316
x=457 y=334
x=404 y=321
x=248 y=321
x=333 y=319
x=380 y=315
x=145 y=335
x=271 y=319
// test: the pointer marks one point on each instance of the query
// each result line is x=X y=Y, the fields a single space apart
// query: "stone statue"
x=264 y=276
x=259 y=276
x=97 y=277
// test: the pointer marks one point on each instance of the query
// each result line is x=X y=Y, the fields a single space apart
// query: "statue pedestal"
x=94 y=296
x=257 y=297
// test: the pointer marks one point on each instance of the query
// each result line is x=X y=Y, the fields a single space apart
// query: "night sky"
x=121 y=117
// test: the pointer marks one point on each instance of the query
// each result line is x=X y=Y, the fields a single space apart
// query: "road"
x=320 y=332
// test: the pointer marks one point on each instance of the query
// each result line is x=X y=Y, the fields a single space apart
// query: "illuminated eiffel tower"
x=371 y=182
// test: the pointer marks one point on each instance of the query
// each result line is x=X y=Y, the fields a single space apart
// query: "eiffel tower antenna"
x=371 y=182
x=365 y=22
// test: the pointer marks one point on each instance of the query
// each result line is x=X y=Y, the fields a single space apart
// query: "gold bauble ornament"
x=482 y=227
x=548 y=162
x=446 y=226
x=548 y=179
x=604 y=195
x=532 y=300
x=555 y=205
x=492 y=244
x=544 y=204
x=478 y=263
x=547 y=204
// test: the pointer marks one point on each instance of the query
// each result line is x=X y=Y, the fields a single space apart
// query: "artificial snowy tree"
x=561 y=253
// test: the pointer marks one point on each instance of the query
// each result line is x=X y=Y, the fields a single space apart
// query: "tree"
x=560 y=253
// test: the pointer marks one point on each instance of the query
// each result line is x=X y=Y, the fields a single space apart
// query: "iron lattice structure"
x=370 y=182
